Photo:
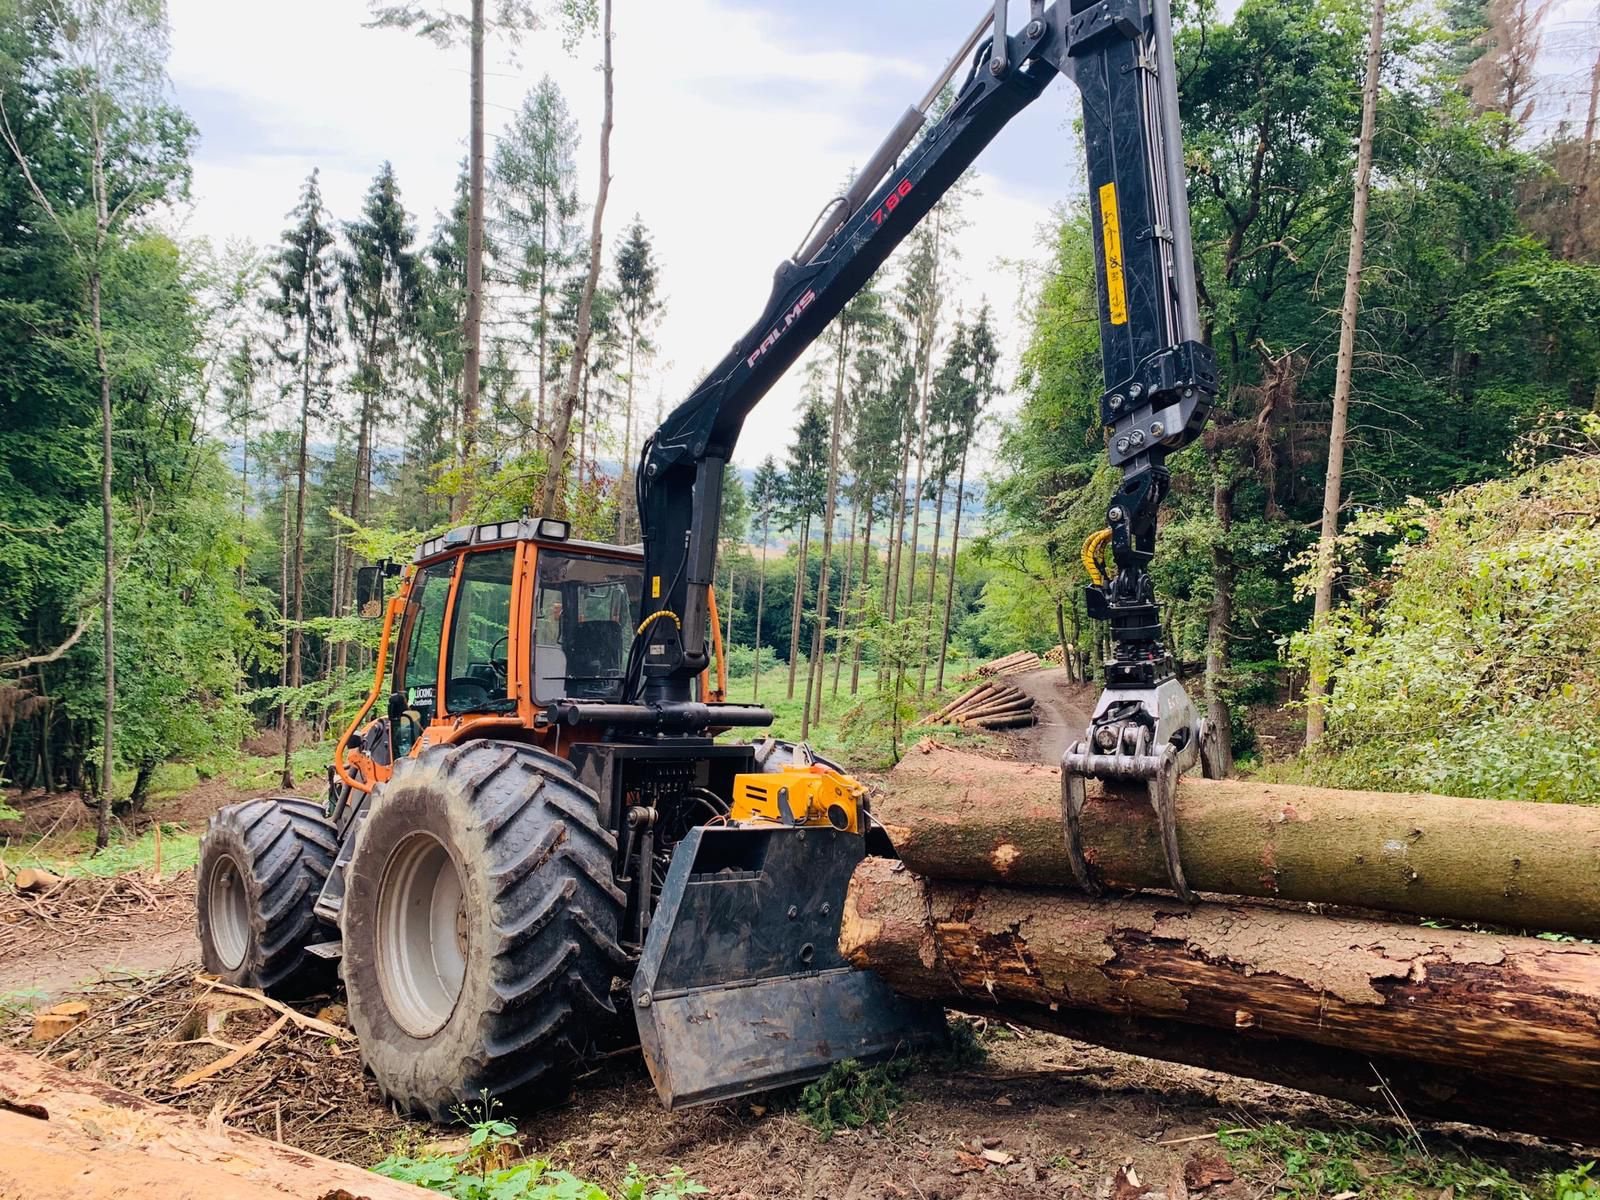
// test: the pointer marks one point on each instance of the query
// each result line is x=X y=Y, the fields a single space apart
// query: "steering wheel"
x=501 y=664
x=464 y=689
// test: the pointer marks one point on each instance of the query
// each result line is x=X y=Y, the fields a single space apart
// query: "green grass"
x=75 y=856
x=1322 y=1163
x=856 y=731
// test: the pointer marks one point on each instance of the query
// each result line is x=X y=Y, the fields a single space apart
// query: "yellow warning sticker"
x=655 y=587
x=1111 y=238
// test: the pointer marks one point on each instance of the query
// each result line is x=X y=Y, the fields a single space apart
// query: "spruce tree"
x=306 y=342
x=536 y=237
x=638 y=308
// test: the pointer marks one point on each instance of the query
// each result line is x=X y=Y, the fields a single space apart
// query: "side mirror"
x=369 y=590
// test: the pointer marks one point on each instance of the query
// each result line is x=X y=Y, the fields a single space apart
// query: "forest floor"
x=1035 y=1116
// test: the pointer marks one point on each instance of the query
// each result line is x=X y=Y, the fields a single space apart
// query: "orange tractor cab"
x=543 y=843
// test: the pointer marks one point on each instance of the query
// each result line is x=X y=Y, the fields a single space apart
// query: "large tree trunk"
x=1498 y=1012
x=108 y=584
x=68 y=1137
x=1526 y=866
x=1317 y=683
x=555 y=476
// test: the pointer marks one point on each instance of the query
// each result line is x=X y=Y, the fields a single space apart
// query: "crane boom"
x=1160 y=378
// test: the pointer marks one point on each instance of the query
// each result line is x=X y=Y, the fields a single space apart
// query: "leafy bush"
x=1468 y=665
x=485 y=1170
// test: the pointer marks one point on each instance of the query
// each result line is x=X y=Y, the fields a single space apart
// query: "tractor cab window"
x=479 y=634
x=419 y=678
x=585 y=615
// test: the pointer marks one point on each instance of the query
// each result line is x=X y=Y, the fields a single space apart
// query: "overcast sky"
x=735 y=121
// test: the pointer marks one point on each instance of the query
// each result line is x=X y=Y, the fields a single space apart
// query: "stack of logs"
x=1494 y=1028
x=989 y=706
x=1011 y=664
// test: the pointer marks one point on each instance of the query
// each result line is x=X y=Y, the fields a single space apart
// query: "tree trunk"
x=625 y=497
x=285 y=600
x=844 y=601
x=141 y=788
x=472 y=328
x=933 y=584
x=1317 y=682
x=865 y=588
x=1221 y=618
x=955 y=547
x=761 y=600
x=1494 y=1010
x=296 y=632
x=555 y=476
x=798 y=607
x=957 y=816
x=108 y=592
x=830 y=513
x=1583 y=204
x=65 y=1136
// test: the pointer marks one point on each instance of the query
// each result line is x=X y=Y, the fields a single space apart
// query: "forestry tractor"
x=536 y=843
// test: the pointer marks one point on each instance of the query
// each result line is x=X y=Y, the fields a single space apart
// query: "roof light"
x=458 y=537
x=552 y=530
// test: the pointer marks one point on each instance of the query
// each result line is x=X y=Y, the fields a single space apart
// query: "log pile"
x=989 y=706
x=1010 y=664
x=1497 y=1029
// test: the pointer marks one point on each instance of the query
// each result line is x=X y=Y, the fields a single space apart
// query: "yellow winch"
x=809 y=795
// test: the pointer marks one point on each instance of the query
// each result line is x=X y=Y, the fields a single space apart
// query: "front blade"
x=741 y=987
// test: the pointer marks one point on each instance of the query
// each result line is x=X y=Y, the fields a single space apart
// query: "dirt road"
x=1063 y=709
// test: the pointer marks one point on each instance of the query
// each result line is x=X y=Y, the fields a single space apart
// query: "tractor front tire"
x=480 y=928
x=262 y=866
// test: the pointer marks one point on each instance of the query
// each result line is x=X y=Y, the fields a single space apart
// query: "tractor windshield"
x=585 y=613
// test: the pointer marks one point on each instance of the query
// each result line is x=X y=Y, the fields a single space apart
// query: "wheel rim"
x=422 y=935
x=228 y=905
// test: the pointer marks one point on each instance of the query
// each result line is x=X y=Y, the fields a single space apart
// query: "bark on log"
x=1457 y=1023
x=68 y=1137
x=956 y=816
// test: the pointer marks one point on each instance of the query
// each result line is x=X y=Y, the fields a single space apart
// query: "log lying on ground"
x=984 y=703
x=68 y=1137
x=1022 y=660
x=956 y=816
x=1468 y=1026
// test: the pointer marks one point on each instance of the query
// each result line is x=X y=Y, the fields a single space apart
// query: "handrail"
x=395 y=605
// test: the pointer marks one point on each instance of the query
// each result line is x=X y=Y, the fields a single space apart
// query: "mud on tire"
x=500 y=980
x=262 y=866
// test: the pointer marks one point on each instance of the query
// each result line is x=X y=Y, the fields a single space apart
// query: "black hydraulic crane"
x=1160 y=378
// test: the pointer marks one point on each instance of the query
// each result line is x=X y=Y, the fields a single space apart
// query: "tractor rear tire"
x=480 y=928
x=262 y=866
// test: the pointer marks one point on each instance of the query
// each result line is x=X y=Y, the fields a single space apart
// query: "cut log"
x=1488 y=1012
x=956 y=816
x=1003 y=721
x=37 y=879
x=964 y=700
x=68 y=1137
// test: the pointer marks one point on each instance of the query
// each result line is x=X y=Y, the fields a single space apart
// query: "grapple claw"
x=1147 y=738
